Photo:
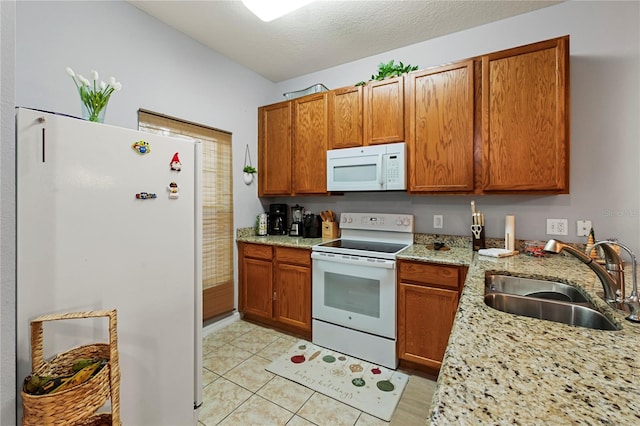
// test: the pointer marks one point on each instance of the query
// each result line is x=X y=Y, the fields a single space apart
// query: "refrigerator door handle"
x=43 y=139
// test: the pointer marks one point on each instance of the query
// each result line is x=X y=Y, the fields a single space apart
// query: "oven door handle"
x=354 y=260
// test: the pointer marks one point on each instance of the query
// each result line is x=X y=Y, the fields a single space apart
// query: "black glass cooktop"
x=372 y=246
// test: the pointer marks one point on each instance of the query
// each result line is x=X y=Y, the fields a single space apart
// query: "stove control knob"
x=406 y=221
x=399 y=221
x=349 y=219
x=344 y=219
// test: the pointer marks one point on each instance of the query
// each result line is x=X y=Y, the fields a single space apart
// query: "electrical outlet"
x=583 y=228
x=437 y=221
x=557 y=227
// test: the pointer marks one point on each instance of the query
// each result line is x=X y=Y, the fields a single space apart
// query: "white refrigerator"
x=111 y=218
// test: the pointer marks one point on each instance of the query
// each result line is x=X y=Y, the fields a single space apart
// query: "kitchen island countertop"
x=501 y=368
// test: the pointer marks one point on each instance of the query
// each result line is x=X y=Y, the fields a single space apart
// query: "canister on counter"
x=261 y=224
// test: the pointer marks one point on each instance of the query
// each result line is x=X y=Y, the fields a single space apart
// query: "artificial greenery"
x=249 y=169
x=390 y=69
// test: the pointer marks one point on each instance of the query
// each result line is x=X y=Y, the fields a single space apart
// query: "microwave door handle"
x=379 y=170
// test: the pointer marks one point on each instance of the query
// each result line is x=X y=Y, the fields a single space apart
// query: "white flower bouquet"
x=94 y=96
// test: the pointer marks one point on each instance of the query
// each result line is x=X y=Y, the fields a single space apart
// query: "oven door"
x=355 y=292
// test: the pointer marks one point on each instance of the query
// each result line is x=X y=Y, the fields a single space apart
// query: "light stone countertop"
x=506 y=369
x=501 y=368
x=276 y=240
x=454 y=256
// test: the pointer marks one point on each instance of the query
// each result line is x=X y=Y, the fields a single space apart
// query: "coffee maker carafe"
x=277 y=224
x=297 y=214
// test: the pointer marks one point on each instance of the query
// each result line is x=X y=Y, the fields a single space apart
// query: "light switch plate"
x=437 y=221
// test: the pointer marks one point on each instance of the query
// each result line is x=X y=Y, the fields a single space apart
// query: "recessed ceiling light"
x=268 y=10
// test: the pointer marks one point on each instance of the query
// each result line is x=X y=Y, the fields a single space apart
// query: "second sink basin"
x=546 y=300
x=534 y=288
x=550 y=310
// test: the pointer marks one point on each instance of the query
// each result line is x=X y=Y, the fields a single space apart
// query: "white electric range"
x=354 y=286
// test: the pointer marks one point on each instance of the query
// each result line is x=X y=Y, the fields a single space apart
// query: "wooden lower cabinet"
x=256 y=279
x=275 y=286
x=428 y=297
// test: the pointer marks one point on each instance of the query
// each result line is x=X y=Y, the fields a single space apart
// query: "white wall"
x=605 y=136
x=7 y=214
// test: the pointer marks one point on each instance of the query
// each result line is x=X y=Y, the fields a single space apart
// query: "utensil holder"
x=76 y=405
x=478 y=238
x=330 y=230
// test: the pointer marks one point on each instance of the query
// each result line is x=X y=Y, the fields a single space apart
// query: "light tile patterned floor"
x=239 y=391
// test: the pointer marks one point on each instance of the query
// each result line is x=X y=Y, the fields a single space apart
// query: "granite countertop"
x=247 y=235
x=506 y=369
x=423 y=253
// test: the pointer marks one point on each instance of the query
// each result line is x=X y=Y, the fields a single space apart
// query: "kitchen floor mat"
x=373 y=389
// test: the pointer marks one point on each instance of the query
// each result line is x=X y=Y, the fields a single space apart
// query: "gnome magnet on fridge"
x=175 y=164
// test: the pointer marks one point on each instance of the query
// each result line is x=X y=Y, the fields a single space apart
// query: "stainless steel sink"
x=534 y=288
x=546 y=300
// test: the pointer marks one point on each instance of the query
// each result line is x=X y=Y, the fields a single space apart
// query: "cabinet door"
x=440 y=143
x=345 y=117
x=257 y=287
x=293 y=296
x=274 y=149
x=384 y=111
x=525 y=118
x=310 y=145
x=425 y=318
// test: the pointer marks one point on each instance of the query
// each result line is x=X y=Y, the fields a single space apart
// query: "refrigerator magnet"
x=141 y=147
x=175 y=164
x=145 y=195
x=173 y=189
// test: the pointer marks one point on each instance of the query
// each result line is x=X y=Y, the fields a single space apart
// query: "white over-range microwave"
x=367 y=168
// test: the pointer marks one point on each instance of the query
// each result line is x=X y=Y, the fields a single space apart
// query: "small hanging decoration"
x=248 y=169
x=175 y=164
x=173 y=189
x=146 y=195
x=141 y=147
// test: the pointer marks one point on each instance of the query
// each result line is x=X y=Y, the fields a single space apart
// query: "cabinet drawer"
x=257 y=251
x=293 y=255
x=426 y=273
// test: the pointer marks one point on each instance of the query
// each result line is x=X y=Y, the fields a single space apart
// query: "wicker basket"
x=75 y=406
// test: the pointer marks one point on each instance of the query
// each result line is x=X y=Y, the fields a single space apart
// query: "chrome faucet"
x=612 y=278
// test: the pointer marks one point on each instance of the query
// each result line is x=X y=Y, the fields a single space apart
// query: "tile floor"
x=239 y=391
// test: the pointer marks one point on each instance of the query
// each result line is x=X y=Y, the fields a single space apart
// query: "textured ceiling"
x=325 y=33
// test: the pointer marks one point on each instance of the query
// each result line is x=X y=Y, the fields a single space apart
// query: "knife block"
x=478 y=243
x=330 y=230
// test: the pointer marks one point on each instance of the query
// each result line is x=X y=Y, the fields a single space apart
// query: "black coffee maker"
x=277 y=224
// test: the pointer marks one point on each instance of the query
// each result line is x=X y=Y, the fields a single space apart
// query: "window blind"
x=217 y=196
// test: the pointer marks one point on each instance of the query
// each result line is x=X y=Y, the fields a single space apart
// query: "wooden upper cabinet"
x=525 y=118
x=310 y=144
x=440 y=112
x=274 y=149
x=345 y=117
x=384 y=111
